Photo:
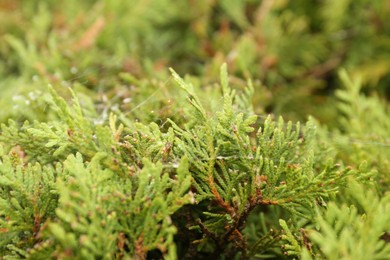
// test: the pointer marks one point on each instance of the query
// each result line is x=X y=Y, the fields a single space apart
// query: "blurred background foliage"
x=292 y=50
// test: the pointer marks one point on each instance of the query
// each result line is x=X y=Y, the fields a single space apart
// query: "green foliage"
x=101 y=215
x=366 y=122
x=115 y=193
x=96 y=201
x=359 y=231
x=107 y=154
x=28 y=199
x=294 y=47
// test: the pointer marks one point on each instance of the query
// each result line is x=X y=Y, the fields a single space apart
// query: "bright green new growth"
x=357 y=231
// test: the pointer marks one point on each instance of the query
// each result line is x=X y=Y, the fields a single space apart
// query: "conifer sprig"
x=238 y=171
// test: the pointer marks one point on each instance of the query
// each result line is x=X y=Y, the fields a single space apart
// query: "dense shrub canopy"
x=151 y=129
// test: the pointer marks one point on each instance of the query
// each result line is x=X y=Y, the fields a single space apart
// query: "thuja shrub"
x=121 y=159
x=223 y=184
